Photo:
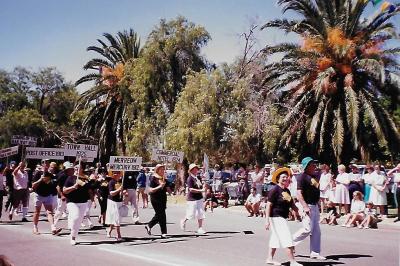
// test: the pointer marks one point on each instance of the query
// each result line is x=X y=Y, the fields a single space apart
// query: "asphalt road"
x=232 y=239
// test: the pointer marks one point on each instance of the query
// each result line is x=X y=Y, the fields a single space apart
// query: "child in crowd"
x=331 y=216
x=356 y=211
x=263 y=206
x=210 y=200
x=371 y=219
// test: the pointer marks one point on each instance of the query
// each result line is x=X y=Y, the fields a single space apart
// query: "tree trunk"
x=41 y=104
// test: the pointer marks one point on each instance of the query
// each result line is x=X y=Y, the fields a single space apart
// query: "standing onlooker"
x=325 y=185
x=195 y=201
x=20 y=192
x=158 y=198
x=114 y=202
x=308 y=196
x=253 y=202
x=279 y=202
x=142 y=185
x=355 y=181
x=217 y=179
x=257 y=178
x=130 y=185
x=342 y=197
x=378 y=190
x=367 y=177
x=395 y=174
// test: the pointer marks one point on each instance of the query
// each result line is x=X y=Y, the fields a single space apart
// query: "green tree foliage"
x=334 y=80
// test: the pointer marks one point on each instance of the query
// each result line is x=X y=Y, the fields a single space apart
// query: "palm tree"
x=109 y=98
x=335 y=80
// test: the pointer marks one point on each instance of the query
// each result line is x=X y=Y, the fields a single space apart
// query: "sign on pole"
x=81 y=150
x=8 y=152
x=44 y=153
x=167 y=156
x=123 y=163
x=23 y=140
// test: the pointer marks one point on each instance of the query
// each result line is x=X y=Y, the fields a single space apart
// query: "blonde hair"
x=342 y=167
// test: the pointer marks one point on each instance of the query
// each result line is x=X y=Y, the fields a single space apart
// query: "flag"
x=206 y=167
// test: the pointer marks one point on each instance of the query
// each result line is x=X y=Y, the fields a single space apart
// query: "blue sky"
x=39 y=33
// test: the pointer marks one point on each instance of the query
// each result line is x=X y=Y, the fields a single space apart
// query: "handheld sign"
x=8 y=152
x=44 y=153
x=24 y=140
x=167 y=156
x=81 y=150
x=123 y=163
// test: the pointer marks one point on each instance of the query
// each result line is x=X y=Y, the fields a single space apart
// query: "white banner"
x=206 y=166
x=24 y=140
x=123 y=163
x=44 y=153
x=81 y=150
x=8 y=152
x=167 y=156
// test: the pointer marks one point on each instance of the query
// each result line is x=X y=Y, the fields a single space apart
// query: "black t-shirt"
x=309 y=185
x=130 y=181
x=160 y=196
x=114 y=185
x=9 y=180
x=102 y=189
x=80 y=195
x=61 y=178
x=281 y=201
x=44 y=189
x=194 y=182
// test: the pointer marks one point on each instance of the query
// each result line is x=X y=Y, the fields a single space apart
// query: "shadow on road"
x=316 y=263
x=347 y=256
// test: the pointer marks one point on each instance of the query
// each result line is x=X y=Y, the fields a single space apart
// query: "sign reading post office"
x=44 y=153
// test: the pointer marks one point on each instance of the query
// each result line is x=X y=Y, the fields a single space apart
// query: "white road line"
x=148 y=259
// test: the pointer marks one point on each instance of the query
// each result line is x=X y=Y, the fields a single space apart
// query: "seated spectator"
x=356 y=210
x=253 y=202
x=331 y=215
x=210 y=200
x=371 y=219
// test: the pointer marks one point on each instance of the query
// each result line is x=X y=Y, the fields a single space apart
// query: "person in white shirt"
x=21 y=192
x=217 y=179
x=395 y=174
x=367 y=182
x=257 y=178
x=253 y=202
x=325 y=185
x=356 y=215
x=342 y=197
x=378 y=190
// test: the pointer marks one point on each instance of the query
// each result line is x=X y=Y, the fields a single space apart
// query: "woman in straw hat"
x=158 y=198
x=279 y=202
x=195 y=199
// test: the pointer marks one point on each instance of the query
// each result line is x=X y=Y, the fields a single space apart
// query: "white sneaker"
x=72 y=242
x=273 y=262
x=164 y=236
x=183 y=225
x=201 y=231
x=317 y=256
x=295 y=263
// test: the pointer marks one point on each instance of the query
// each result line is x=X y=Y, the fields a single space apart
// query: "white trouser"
x=131 y=198
x=61 y=207
x=310 y=228
x=76 y=212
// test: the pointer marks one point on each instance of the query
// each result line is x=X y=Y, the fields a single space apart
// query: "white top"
x=357 y=206
x=369 y=211
x=257 y=178
x=377 y=179
x=324 y=181
x=2 y=181
x=21 y=180
x=343 y=178
x=355 y=177
x=217 y=175
x=367 y=178
x=253 y=199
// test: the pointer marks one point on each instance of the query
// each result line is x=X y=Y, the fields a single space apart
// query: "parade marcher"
x=114 y=202
x=378 y=190
x=78 y=192
x=102 y=194
x=130 y=186
x=142 y=183
x=195 y=201
x=308 y=194
x=53 y=169
x=20 y=191
x=44 y=188
x=62 y=200
x=2 y=187
x=85 y=174
x=9 y=184
x=342 y=197
x=395 y=174
x=158 y=198
x=278 y=205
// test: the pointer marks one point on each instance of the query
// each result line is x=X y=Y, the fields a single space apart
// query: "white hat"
x=192 y=166
x=68 y=165
x=158 y=166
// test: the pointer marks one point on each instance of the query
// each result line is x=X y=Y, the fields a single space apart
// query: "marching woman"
x=279 y=202
x=195 y=201
x=342 y=196
x=102 y=194
x=158 y=198
x=114 y=202
x=77 y=191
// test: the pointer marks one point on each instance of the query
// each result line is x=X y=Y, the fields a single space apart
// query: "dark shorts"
x=20 y=196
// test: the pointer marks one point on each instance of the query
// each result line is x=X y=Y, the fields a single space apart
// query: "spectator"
x=395 y=174
x=378 y=190
x=325 y=185
x=357 y=210
x=331 y=215
x=370 y=220
x=367 y=177
x=355 y=181
x=210 y=200
x=257 y=178
x=253 y=202
x=142 y=185
x=342 y=196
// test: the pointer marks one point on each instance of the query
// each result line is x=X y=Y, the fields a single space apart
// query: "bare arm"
x=68 y=190
x=302 y=201
x=267 y=214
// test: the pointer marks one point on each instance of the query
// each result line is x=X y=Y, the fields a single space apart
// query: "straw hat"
x=278 y=172
x=158 y=166
x=192 y=166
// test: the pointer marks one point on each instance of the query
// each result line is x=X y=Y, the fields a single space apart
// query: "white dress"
x=378 y=197
x=342 y=195
x=324 y=185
